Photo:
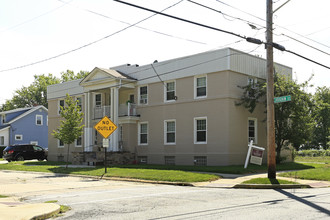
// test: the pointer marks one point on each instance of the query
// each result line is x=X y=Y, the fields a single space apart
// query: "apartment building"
x=180 y=111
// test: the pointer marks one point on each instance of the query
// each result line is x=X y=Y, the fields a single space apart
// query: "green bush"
x=312 y=153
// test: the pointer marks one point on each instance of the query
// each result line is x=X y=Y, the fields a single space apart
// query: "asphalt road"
x=100 y=199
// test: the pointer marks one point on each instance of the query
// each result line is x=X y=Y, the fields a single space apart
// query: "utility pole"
x=270 y=94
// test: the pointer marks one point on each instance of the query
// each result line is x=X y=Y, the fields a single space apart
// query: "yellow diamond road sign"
x=105 y=127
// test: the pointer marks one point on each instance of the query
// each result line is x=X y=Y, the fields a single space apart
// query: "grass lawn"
x=267 y=181
x=146 y=174
x=325 y=159
x=320 y=170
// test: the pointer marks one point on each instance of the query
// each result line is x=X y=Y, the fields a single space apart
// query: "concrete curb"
x=271 y=186
x=47 y=215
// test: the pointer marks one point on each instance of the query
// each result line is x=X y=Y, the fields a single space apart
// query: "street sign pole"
x=105 y=127
x=105 y=159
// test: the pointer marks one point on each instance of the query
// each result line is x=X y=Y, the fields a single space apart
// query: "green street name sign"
x=282 y=99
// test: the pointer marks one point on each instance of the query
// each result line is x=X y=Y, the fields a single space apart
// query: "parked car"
x=24 y=152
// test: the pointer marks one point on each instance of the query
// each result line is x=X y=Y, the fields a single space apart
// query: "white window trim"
x=34 y=142
x=139 y=134
x=59 y=106
x=98 y=106
x=195 y=87
x=81 y=98
x=76 y=145
x=195 y=130
x=255 y=129
x=20 y=137
x=165 y=91
x=139 y=95
x=41 y=118
x=2 y=140
x=165 y=132
x=58 y=144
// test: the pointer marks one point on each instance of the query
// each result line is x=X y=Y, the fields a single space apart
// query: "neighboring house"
x=24 y=126
x=181 y=111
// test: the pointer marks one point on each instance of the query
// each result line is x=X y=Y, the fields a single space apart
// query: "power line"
x=249 y=39
x=34 y=18
x=181 y=19
x=86 y=45
x=274 y=24
x=224 y=14
x=136 y=26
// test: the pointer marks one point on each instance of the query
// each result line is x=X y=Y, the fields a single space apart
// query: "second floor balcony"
x=128 y=109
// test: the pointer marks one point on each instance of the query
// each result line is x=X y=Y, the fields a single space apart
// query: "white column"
x=112 y=104
x=115 y=118
x=88 y=135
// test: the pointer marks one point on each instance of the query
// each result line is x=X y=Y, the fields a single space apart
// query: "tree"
x=69 y=75
x=293 y=121
x=321 y=116
x=36 y=93
x=71 y=127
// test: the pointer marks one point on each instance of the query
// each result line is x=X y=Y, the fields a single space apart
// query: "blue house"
x=24 y=126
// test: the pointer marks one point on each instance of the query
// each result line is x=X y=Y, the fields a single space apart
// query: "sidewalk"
x=232 y=180
x=14 y=208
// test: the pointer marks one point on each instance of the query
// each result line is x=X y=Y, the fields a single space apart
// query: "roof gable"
x=32 y=109
x=101 y=74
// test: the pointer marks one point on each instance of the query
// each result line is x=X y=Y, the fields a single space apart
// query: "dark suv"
x=24 y=152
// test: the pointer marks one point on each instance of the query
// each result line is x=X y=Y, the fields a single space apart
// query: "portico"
x=107 y=93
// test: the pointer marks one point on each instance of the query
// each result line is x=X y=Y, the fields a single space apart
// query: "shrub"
x=312 y=153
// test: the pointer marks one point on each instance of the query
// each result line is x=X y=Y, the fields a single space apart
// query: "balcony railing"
x=128 y=109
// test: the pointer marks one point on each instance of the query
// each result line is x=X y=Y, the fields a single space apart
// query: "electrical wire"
x=136 y=26
x=34 y=18
x=224 y=14
x=181 y=19
x=251 y=40
x=86 y=45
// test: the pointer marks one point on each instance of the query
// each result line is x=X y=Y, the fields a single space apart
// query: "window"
x=169 y=160
x=78 y=142
x=170 y=91
x=169 y=132
x=18 y=137
x=200 y=161
x=142 y=160
x=60 y=143
x=39 y=120
x=143 y=95
x=131 y=98
x=200 y=87
x=252 y=82
x=98 y=100
x=79 y=103
x=95 y=137
x=60 y=104
x=200 y=130
x=2 y=140
x=34 y=142
x=252 y=130
x=143 y=133
x=3 y=119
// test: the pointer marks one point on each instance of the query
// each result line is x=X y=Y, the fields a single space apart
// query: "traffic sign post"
x=282 y=99
x=105 y=127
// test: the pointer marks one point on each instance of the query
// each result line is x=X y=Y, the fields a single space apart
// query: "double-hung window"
x=79 y=103
x=170 y=91
x=170 y=130
x=143 y=133
x=39 y=119
x=79 y=141
x=98 y=100
x=143 y=95
x=200 y=130
x=252 y=130
x=60 y=105
x=200 y=87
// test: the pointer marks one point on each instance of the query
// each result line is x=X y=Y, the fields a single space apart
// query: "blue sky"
x=35 y=30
